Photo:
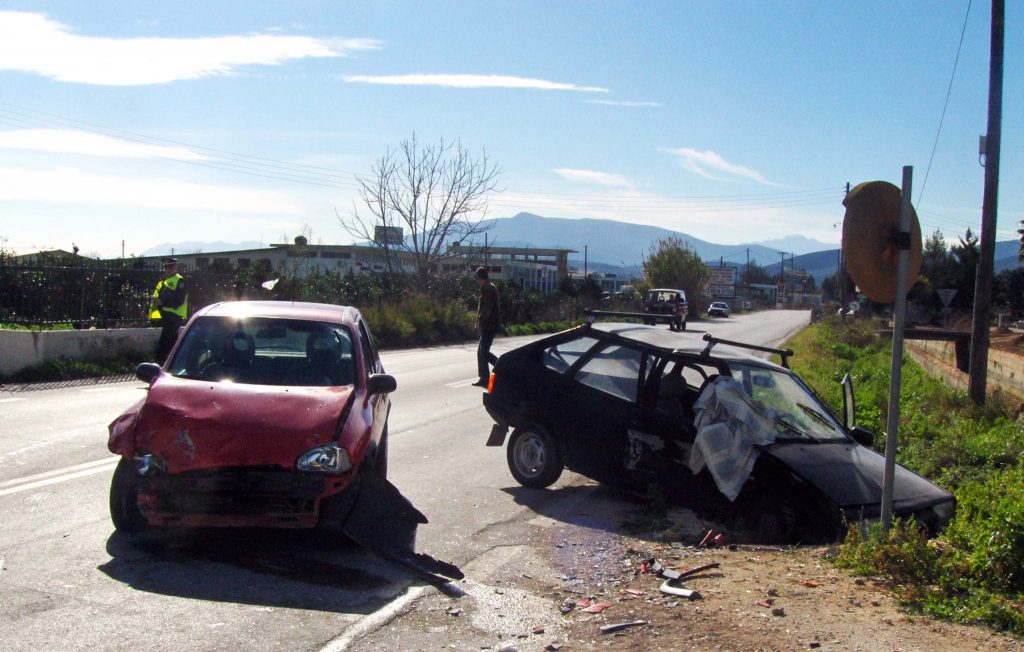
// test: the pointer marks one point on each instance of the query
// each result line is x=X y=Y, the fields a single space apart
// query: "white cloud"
x=710 y=165
x=72 y=186
x=472 y=81
x=33 y=43
x=72 y=141
x=593 y=176
x=630 y=103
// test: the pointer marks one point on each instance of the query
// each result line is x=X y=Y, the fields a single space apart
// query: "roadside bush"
x=975 y=572
x=61 y=368
x=418 y=321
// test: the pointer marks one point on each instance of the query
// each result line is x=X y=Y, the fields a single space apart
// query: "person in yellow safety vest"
x=168 y=308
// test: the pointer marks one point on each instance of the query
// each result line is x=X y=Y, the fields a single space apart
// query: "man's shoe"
x=480 y=383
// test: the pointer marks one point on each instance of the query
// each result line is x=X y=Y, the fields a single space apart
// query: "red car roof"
x=324 y=312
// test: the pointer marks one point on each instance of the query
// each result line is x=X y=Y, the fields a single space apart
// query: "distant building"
x=608 y=281
x=532 y=268
x=48 y=257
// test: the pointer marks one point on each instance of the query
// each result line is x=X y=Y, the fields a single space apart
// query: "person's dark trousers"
x=170 y=324
x=484 y=356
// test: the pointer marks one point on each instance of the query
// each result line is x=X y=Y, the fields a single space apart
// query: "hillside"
x=610 y=241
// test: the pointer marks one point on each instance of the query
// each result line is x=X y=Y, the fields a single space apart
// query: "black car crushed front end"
x=618 y=403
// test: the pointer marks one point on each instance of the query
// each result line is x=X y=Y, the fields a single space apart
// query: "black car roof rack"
x=782 y=353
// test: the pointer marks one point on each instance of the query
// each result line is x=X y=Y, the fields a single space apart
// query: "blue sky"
x=731 y=121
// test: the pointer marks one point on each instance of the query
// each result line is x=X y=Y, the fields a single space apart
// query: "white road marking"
x=102 y=389
x=24 y=449
x=462 y=383
x=57 y=475
x=374 y=621
x=58 y=479
x=11 y=400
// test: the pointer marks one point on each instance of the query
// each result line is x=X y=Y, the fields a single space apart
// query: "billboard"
x=387 y=235
x=722 y=281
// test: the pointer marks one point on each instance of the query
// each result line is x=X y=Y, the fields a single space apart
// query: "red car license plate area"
x=236 y=498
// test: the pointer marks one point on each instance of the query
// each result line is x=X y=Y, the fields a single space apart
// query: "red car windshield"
x=266 y=351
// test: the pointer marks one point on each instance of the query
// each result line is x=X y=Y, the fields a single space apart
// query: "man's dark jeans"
x=484 y=355
x=170 y=324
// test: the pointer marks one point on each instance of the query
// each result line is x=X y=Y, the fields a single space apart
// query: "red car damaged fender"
x=262 y=417
x=221 y=439
x=189 y=428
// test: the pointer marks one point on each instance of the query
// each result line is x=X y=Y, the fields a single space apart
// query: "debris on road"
x=384 y=521
x=608 y=629
x=597 y=607
x=666 y=587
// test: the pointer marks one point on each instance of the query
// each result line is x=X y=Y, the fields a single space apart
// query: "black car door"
x=600 y=405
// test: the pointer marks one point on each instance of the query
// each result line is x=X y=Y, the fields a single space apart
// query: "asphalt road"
x=67 y=582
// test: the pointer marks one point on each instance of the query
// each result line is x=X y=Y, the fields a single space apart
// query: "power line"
x=945 y=104
x=278 y=170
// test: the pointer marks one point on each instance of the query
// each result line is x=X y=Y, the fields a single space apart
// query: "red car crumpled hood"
x=192 y=425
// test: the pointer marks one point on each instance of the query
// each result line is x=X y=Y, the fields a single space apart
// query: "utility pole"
x=841 y=272
x=586 y=249
x=983 y=282
x=782 y=274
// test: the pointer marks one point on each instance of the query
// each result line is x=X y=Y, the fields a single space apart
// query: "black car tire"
x=533 y=457
x=124 y=496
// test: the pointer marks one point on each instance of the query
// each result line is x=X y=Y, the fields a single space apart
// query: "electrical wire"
x=274 y=169
x=945 y=105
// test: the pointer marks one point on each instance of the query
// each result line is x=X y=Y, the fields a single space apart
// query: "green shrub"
x=61 y=368
x=975 y=573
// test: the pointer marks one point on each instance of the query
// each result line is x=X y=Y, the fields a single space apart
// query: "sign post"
x=899 y=319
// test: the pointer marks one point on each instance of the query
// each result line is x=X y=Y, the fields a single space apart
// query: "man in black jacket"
x=488 y=321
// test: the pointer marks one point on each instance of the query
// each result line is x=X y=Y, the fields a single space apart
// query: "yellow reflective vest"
x=170 y=283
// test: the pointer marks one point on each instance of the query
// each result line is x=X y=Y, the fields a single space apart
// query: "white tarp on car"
x=729 y=426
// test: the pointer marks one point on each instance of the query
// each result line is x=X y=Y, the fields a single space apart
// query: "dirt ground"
x=759 y=598
x=1010 y=342
x=539 y=589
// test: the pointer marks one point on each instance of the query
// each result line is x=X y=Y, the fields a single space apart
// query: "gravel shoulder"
x=537 y=591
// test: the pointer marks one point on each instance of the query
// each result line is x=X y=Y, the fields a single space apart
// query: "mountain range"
x=620 y=247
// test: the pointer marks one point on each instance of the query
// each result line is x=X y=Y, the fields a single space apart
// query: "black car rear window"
x=562 y=356
x=615 y=370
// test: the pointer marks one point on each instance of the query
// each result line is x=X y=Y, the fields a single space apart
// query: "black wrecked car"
x=721 y=430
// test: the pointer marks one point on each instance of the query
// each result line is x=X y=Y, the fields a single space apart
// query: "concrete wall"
x=22 y=349
x=1005 y=370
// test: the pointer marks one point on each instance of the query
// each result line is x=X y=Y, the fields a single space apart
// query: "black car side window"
x=562 y=356
x=614 y=370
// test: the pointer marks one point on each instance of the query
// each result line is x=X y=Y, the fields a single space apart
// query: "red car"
x=267 y=414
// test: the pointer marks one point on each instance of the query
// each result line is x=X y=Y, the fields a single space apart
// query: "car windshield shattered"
x=266 y=351
x=800 y=414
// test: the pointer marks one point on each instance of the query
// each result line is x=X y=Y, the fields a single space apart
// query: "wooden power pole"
x=989 y=209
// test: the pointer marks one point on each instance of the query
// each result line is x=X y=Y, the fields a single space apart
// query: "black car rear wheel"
x=124 y=496
x=533 y=457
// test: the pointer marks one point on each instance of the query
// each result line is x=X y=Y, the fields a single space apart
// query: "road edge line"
x=374 y=621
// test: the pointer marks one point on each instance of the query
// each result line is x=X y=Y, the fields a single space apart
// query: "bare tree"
x=437 y=194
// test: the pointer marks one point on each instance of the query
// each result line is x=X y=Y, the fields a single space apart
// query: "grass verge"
x=60 y=369
x=973 y=573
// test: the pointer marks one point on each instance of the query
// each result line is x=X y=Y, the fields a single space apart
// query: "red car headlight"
x=325 y=459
